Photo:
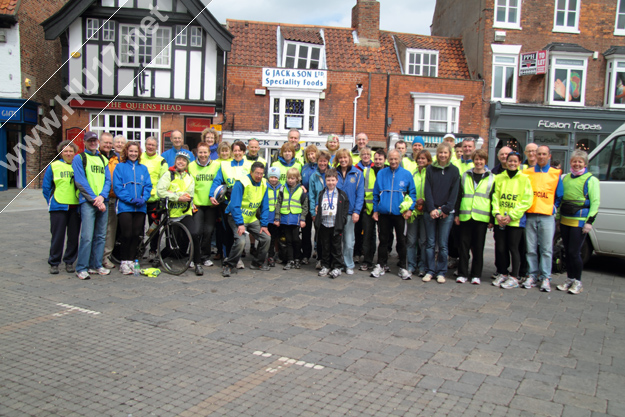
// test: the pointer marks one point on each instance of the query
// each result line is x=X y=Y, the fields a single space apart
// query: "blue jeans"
x=349 y=239
x=437 y=231
x=92 y=237
x=415 y=242
x=539 y=231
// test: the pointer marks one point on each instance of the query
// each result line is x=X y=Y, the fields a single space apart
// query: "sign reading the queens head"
x=295 y=78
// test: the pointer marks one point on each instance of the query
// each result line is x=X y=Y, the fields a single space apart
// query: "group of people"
x=432 y=206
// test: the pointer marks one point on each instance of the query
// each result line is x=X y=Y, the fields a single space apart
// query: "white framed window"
x=567 y=79
x=302 y=55
x=436 y=112
x=150 y=49
x=619 y=25
x=92 y=29
x=292 y=109
x=422 y=62
x=566 y=16
x=196 y=36
x=108 y=31
x=507 y=14
x=181 y=38
x=615 y=82
x=505 y=70
x=131 y=126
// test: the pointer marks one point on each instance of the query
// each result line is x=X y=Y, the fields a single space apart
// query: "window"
x=294 y=110
x=615 y=82
x=619 y=26
x=504 y=78
x=131 y=126
x=423 y=63
x=108 y=31
x=567 y=80
x=196 y=36
x=566 y=16
x=508 y=14
x=609 y=163
x=92 y=29
x=436 y=112
x=150 y=49
x=181 y=39
x=297 y=55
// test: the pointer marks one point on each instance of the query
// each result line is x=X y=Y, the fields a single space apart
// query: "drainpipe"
x=359 y=90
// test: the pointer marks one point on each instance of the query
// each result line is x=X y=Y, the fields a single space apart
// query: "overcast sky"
x=410 y=16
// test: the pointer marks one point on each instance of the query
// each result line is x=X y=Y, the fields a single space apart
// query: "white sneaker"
x=192 y=265
x=461 y=280
x=349 y=271
x=208 y=262
x=475 y=281
x=500 y=280
x=427 y=278
x=576 y=288
x=440 y=279
x=404 y=274
x=335 y=273
x=126 y=268
x=377 y=271
x=100 y=271
x=83 y=275
x=240 y=264
x=318 y=265
x=324 y=272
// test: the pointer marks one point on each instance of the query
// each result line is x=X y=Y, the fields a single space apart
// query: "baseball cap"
x=89 y=136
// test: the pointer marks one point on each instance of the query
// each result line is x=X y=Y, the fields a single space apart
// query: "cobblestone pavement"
x=292 y=344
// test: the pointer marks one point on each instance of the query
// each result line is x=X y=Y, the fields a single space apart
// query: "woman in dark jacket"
x=442 y=180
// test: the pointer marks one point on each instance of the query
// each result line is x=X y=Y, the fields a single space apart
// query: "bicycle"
x=175 y=245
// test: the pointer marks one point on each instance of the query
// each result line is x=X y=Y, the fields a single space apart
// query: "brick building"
x=29 y=83
x=283 y=76
x=553 y=71
x=140 y=68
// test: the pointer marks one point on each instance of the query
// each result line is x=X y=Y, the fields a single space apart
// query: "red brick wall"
x=39 y=60
x=247 y=112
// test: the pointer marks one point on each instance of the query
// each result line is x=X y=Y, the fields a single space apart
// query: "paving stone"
x=580 y=400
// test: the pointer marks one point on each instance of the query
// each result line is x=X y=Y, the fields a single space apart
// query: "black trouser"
x=472 y=237
x=293 y=242
x=387 y=223
x=307 y=246
x=131 y=225
x=573 y=240
x=358 y=228
x=152 y=209
x=275 y=235
x=369 y=236
x=204 y=219
x=507 y=249
x=64 y=223
x=453 y=245
x=224 y=238
x=195 y=235
x=332 y=247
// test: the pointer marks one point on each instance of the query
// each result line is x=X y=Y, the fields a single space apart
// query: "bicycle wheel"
x=175 y=248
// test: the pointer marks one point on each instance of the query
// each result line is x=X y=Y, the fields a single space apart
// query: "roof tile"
x=8 y=6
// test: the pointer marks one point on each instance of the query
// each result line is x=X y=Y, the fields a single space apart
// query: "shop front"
x=17 y=116
x=562 y=129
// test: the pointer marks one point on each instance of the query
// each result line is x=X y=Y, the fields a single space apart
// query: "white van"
x=607 y=162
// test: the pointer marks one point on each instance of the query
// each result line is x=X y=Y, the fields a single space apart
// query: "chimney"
x=366 y=22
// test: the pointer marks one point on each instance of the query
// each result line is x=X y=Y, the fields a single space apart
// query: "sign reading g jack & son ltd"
x=295 y=78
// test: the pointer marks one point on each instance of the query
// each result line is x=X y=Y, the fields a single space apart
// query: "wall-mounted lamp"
x=27 y=82
x=75 y=54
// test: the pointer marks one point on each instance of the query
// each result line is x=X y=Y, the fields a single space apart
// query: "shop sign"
x=12 y=113
x=76 y=135
x=142 y=106
x=533 y=63
x=197 y=124
x=575 y=125
x=294 y=78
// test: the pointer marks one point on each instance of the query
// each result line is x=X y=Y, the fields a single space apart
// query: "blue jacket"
x=170 y=155
x=390 y=188
x=354 y=186
x=131 y=180
x=213 y=149
x=86 y=193
x=316 y=184
x=48 y=187
x=307 y=171
x=219 y=177
x=234 y=207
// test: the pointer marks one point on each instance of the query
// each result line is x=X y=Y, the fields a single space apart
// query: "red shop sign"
x=141 y=106
x=197 y=124
x=76 y=134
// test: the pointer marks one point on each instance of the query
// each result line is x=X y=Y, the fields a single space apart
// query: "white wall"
x=10 y=68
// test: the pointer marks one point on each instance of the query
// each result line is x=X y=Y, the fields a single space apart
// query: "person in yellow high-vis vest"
x=60 y=194
x=292 y=207
x=179 y=186
x=368 y=225
x=157 y=166
x=247 y=201
x=579 y=208
x=474 y=216
x=93 y=181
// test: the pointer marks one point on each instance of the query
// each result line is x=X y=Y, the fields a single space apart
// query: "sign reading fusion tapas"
x=294 y=78
x=533 y=63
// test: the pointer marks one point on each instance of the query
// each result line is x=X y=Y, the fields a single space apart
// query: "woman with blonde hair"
x=212 y=137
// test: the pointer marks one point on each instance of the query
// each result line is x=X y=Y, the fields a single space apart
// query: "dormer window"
x=422 y=62
x=301 y=55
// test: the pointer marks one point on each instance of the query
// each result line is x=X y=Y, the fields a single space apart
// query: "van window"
x=609 y=163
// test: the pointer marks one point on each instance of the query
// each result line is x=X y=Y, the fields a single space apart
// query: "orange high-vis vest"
x=544 y=185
